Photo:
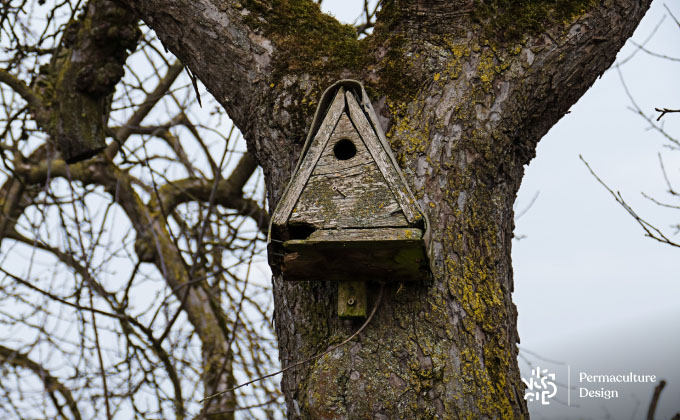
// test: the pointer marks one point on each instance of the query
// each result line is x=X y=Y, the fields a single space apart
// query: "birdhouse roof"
x=347 y=176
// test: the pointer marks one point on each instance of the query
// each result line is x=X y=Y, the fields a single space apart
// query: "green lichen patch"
x=510 y=20
x=409 y=134
x=307 y=40
x=400 y=70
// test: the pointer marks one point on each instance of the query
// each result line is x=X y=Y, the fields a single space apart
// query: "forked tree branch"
x=665 y=111
x=228 y=193
x=124 y=132
x=50 y=382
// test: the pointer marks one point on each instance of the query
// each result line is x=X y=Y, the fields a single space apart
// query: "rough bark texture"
x=465 y=90
x=82 y=75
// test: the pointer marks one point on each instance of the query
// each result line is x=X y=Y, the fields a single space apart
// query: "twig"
x=545 y=359
x=63 y=301
x=665 y=111
x=102 y=369
x=333 y=348
x=528 y=207
x=655 y=400
x=194 y=82
x=671 y=191
x=636 y=108
x=124 y=132
x=650 y=230
x=51 y=383
x=654 y=54
x=649 y=37
x=672 y=15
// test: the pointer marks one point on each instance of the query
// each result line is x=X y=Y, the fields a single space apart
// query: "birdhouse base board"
x=381 y=255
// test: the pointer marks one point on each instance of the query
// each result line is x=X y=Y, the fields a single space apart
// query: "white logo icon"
x=541 y=386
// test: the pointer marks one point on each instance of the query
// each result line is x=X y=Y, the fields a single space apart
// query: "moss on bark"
x=307 y=40
x=83 y=74
x=513 y=20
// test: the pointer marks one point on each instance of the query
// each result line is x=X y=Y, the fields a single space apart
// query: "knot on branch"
x=118 y=30
x=145 y=248
x=99 y=80
x=113 y=33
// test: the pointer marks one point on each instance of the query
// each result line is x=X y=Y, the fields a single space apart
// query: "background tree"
x=131 y=280
x=465 y=90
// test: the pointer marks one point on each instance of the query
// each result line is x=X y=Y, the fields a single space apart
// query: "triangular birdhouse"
x=347 y=213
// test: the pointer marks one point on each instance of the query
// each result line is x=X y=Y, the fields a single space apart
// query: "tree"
x=88 y=331
x=465 y=90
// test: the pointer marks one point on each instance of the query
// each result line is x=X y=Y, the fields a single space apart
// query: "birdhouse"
x=347 y=214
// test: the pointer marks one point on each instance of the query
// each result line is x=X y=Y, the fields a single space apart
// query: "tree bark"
x=465 y=90
x=82 y=76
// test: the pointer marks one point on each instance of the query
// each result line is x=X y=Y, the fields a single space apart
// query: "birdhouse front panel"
x=347 y=214
x=346 y=188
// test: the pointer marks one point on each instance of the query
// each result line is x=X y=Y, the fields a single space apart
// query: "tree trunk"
x=464 y=90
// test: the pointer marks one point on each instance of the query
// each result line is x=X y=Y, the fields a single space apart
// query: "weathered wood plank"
x=350 y=193
x=358 y=235
x=381 y=256
x=352 y=299
x=379 y=154
x=308 y=161
x=328 y=163
x=360 y=200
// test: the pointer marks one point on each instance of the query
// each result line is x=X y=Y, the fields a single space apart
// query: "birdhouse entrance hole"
x=344 y=149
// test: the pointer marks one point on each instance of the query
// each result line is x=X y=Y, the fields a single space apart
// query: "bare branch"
x=638 y=110
x=677 y=22
x=33 y=99
x=228 y=193
x=644 y=42
x=650 y=230
x=51 y=383
x=151 y=100
x=378 y=301
x=528 y=206
x=665 y=111
x=198 y=252
x=655 y=399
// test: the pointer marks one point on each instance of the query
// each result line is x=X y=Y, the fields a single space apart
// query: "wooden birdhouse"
x=347 y=214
